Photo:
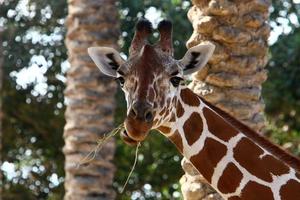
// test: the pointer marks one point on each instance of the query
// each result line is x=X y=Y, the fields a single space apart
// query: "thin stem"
x=133 y=167
x=100 y=142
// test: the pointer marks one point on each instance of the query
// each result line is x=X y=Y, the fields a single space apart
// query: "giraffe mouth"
x=135 y=130
x=127 y=139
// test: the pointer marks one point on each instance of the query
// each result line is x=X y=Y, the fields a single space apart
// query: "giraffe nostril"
x=148 y=116
x=141 y=111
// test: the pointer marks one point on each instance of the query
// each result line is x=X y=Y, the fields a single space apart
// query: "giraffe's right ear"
x=197 y=57
x=107 y=59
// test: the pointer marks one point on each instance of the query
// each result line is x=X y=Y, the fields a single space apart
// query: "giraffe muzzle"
x=142 y=111
x=137 y=130
x=138 y=123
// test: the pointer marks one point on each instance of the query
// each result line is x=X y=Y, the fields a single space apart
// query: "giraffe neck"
x=237 y=162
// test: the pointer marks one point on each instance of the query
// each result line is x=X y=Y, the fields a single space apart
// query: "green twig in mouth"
x=100 y=142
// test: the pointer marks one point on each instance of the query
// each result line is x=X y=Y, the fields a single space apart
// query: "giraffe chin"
x=135 y=131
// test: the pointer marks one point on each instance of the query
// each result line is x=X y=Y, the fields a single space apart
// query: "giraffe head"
x=150 y=77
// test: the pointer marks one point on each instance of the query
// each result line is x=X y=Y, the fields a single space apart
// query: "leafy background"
x=33 y=108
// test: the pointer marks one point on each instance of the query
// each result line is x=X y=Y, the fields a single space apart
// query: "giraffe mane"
x=280 y=153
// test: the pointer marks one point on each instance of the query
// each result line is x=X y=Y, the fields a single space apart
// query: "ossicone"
x=165 y=29
x=143 y=29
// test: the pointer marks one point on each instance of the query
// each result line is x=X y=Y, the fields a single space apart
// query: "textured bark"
x=233 y=77
x=90 y=100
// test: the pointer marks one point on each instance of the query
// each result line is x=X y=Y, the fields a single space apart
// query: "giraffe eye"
x=121 y=80
x=176 y=81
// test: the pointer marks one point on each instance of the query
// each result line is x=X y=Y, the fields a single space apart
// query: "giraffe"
x=238 y=162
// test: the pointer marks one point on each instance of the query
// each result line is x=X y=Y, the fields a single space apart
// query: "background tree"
x=232 y=80
x=90 y=100
x=33 y=84
x=281 y=92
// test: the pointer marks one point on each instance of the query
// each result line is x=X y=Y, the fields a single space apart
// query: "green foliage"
x=288 y=139
x=33 y=110
x=284 y=9
x=282 y=89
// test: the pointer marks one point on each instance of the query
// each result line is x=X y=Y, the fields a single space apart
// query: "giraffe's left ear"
x=107 y=59
x=196 y=57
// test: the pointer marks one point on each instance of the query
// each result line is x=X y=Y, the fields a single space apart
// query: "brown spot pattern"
x=207 y=159
x=176 y=139
x=173 y=117
x=290 y=191
x=179 y=109
x=162 y=111
x=230 y=179
x=275 y=166
x=166 y=113
x=235 y=198
x=164 y=129
x=189 y=97
x=255 y=191
x=259 y=139
x=218 y=126
x=247 y=154
x=193 y=128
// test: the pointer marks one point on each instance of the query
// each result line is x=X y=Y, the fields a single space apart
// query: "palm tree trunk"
x=232 y=80
x=90 y=100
